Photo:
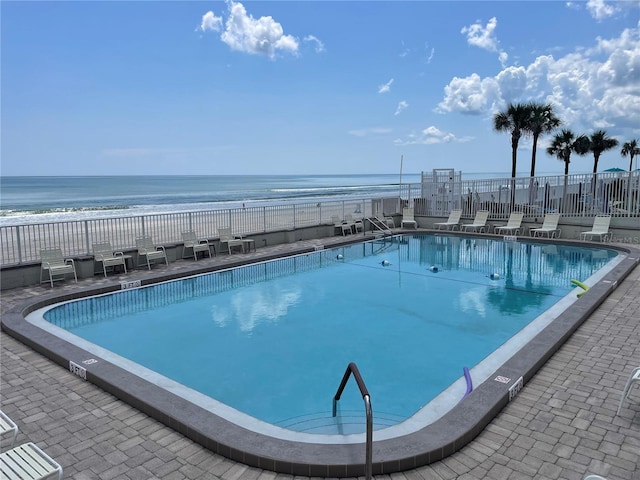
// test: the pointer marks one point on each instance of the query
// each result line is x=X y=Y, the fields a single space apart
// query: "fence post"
x=19 y=244
x=294 y=216
x=86 y=236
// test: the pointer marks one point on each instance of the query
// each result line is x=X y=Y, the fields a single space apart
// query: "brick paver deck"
x=562 y=425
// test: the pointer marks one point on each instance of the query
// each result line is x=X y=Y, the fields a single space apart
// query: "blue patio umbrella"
x=615 y=169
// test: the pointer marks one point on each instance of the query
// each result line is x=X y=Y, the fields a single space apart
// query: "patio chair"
x=600 y=228
x=55 y=265
x=150 y=251
x=103 y=253
x=7 y=429
x=549 y=227
x=356 y=225
x=339 y=226
x=453 y=221
x=28 y=461
x=634 y=379
x=479 y=222
x=513 y=226
x=408 y=218
x=230 y=240
x=193 y=243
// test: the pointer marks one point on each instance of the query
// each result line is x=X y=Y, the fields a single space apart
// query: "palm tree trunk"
x=533 y=154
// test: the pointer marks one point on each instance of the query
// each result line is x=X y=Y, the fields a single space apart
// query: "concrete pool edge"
x=430 y=444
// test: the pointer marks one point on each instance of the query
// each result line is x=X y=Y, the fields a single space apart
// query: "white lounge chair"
x=453 y=221
x=339 y=226
x=634 y=379
x=7 y=429
x=193 y=243
x=28 y=462
x=513 y=226
x=103 y=253
x=479 y=222
x=408 y=218
x=230 y=240
x=55 y=265
x=549 y=227
x=600 y=228
x=150 y=251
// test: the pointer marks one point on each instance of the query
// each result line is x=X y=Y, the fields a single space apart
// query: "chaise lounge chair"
x=513 y=224
x=103 y=253
x=479 y=222
x=600 y=228
x=28 y=462
x=148 y=250
x=193 y=243
x=7 y=429
x=549 y=227
x=408 y=218
x=55 y=265
x=453 y=221
x=634 y=379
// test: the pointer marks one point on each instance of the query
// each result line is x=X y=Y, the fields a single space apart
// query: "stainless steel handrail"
x=353 y=369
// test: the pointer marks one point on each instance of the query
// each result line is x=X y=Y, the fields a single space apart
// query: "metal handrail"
x=353 y=369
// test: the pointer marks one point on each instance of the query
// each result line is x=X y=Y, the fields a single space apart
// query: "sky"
x=307 y=87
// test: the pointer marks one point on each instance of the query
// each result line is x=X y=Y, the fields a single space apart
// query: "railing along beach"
x=580 y=195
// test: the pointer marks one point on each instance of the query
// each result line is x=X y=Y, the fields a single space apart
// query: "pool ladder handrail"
x=353 y=369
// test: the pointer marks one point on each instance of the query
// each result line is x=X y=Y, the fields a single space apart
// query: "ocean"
x=49 y=199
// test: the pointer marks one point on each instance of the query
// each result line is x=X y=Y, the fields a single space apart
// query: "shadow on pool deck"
x=573 y=429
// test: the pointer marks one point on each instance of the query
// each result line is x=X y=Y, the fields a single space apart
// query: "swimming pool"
x=380 y=304
x=521 y=267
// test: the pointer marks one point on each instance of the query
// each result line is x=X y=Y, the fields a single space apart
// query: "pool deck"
x=562 y=425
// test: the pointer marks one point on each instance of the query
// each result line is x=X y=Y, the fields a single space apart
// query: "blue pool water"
x=273 y=339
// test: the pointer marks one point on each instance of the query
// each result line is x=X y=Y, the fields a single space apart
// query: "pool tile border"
x=432 y=443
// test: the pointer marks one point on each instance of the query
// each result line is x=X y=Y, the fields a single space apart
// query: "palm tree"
x=563 y=144
x=541 y=120
x=514 y=120
x=630 y=148
x=598 y=143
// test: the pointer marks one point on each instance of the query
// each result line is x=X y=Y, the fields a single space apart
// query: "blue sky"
x=309 y=87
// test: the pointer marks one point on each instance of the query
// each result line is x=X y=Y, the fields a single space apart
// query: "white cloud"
x=401 y=106
x=429 y=136
x=210 y=22
x=482 y=37
x=433 y=51
x=599 y=9
x=243 y=33
x=386 y=87
x=319 y=46
x=594 y=86
x=485 y=38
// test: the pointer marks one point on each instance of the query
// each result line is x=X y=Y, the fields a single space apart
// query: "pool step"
x=347 y=422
